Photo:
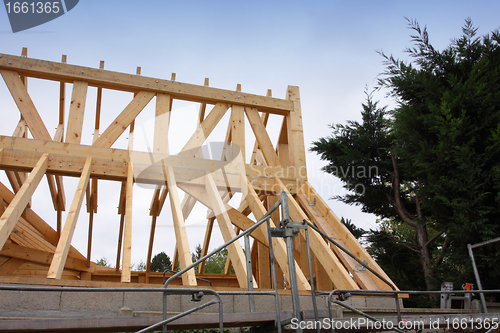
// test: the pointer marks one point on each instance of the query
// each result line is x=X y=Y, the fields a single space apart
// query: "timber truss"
x=32 y=247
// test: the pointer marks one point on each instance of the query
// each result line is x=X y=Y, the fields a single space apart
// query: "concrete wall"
x=50 y=304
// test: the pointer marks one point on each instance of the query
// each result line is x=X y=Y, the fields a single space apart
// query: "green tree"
x=160 y=262
x=447 y=127
x=103 y=262
x=430 y=167
x=361 y=155
x=215 y=264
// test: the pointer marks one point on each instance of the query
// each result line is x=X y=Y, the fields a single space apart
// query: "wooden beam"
x=204 y=130
x=265 y=118
x=30 y=115
x=38 y=223
x=124 y=119
x=262 y=137
x=61 y=253
x=40 y=257
x=94 y=138
x=127 y=244
x=25 y=105
x=206 y=243
x=150 y=246
x=336 y=271
x=62 y=97
x=360 y=276
x=264 y=268
x=282 y=148
x=162 y=124
x=279 y=245
x=350 y=241
x=203 y=106
x=76 y=112
x=89 y=243
x=235 y=251
x=120 y=241
x=110 y=163
x=238 y=128
x=11 y=266
x=126 y=82
x=16 y=207
x=296 y=134
x=188 y=278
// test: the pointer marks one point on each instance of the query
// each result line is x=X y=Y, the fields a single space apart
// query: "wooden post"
x=127 y=239
x=61 y=253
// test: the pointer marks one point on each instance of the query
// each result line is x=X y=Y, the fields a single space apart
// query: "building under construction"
x=292 y=244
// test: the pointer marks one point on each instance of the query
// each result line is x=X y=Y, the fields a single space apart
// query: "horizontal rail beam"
x=101 y=78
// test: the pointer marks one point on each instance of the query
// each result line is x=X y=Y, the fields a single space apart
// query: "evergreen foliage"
x=430 y=168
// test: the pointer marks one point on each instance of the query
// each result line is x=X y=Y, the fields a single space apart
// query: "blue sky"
x=327 y=48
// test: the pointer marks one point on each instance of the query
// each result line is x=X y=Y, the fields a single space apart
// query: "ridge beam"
x=57 y=71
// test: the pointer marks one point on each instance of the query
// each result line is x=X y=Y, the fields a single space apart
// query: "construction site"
x=295 y=263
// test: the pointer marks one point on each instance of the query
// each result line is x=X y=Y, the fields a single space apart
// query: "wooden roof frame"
x=270 y=171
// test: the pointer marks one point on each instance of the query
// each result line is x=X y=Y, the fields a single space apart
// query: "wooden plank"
x=204 y=130
x=350 y=241
x=127 y=239
x=116 y=159
x=264 y=268
x=11 y=266
x=28 y=236
x=40 y=257
x=282 y=148
x=162 y=124
x=253 y=160
x=203 y=107
x=76 y=112
x=336 y=271
x=360 y=276
x=11 y=176
x=257 y=153
x=61 y=254
x=89 y=242
x=25 y=105
x=150 y=246
x=235 y=251
x=124 y=119
x=16 y=207
x=238 y=128
x=62 y=97
x=120 y=241
x=262 y=137
x=188 y=278
x=126 y=82
x=38 y=223
x=29 y=113
x=296 y=134
x=206 y=243
x=95 y=136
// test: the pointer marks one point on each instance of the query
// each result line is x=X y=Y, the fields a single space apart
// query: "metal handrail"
x=173 y=291
x=165 y=321
x=346 y=293
x=263 y=219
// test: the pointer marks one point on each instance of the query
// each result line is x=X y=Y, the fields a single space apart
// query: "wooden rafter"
x=16 y=207
x=61 y=253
